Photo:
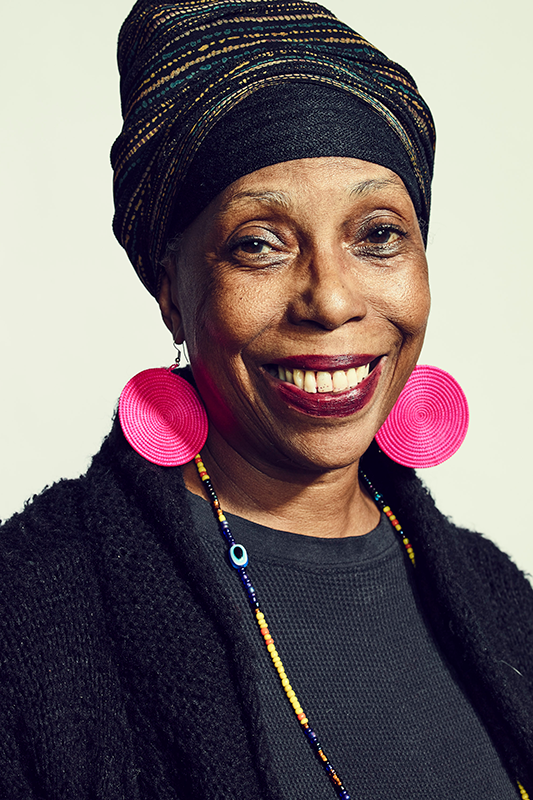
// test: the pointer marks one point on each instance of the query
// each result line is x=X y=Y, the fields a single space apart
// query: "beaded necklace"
x=239 y=560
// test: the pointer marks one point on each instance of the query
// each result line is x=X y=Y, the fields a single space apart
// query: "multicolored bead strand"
x=523 y=794
x=380 y=502
x=301 y=716
x=239 y=560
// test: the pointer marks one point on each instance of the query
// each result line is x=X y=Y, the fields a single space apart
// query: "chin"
x=323 y=451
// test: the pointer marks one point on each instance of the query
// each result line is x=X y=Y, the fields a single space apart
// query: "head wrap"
x=214 y=90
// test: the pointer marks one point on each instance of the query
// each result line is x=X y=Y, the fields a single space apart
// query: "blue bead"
x=238 y=556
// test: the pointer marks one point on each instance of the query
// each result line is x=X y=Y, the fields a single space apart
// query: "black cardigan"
x=125 y=674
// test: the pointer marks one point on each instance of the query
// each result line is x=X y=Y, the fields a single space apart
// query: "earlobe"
x=169 y=310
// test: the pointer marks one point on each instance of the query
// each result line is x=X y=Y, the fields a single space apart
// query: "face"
x=302 y=294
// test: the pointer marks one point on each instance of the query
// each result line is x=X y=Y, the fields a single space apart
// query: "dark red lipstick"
x=341 y=404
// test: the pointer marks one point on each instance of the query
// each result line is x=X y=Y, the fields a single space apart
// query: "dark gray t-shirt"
x=346 y=620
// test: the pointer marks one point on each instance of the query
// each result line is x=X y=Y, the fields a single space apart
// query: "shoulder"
x=461 y=569
x=67 y=539
x=44 y=537
x=47 y=551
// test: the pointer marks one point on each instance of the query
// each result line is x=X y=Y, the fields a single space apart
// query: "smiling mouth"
x=322 y=381
x=326 y=386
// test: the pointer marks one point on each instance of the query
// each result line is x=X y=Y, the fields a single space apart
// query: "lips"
x=327 y=386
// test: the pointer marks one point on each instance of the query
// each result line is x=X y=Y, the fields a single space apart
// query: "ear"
x=170 y=311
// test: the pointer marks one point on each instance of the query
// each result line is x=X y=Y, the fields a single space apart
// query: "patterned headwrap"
x=198 y=75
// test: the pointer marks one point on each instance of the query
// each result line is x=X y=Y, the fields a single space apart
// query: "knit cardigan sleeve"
x=116 y=680
x=63 y=729
x=480 y=608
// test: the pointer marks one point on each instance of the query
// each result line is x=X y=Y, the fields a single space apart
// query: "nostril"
x=329 y=302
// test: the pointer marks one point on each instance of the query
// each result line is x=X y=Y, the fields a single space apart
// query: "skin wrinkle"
x=311 y=284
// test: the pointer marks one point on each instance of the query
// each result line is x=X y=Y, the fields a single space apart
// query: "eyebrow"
x=277 y=199
x=372 y=185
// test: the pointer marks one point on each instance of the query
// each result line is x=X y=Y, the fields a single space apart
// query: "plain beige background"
x=76 y=323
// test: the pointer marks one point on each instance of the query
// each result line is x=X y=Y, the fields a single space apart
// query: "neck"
x=330 y=503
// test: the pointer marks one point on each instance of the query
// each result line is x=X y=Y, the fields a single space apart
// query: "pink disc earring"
x=162 y=417
x=428 y=422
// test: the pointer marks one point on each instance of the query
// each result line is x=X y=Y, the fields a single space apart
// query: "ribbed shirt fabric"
x=348 y=625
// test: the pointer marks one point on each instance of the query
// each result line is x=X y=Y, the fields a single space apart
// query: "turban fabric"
x=213 y=90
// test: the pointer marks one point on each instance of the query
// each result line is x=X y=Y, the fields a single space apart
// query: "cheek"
x=415 y=305
x=236 y=312
x=406 y=300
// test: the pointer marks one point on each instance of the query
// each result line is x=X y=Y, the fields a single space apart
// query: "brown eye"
x=383 y=235
x=256 y=247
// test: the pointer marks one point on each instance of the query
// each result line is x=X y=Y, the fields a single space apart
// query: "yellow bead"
x=285 y=681
x=398 y=527
x=270 y=647
x=386 y=508
x=290 y=692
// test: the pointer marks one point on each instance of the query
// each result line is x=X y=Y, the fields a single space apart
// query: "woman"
x=272 y=191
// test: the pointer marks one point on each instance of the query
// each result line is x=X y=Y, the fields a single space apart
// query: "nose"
x=328 y=291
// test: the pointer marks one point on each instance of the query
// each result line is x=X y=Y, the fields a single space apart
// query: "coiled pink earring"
x=162 y=417
x=428 y=422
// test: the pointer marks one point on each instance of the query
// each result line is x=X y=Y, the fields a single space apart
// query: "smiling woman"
x=272 y=191
x=315 y=267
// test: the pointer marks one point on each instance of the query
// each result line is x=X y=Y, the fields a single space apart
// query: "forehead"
x=282 y=185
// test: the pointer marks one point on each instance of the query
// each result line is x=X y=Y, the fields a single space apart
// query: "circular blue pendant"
x=238 y=556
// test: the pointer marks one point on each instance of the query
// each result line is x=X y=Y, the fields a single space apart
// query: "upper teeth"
x=312 y=382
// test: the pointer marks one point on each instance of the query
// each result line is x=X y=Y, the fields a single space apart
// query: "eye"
x=384 y=234
x=256 y=246
x=252 y=246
